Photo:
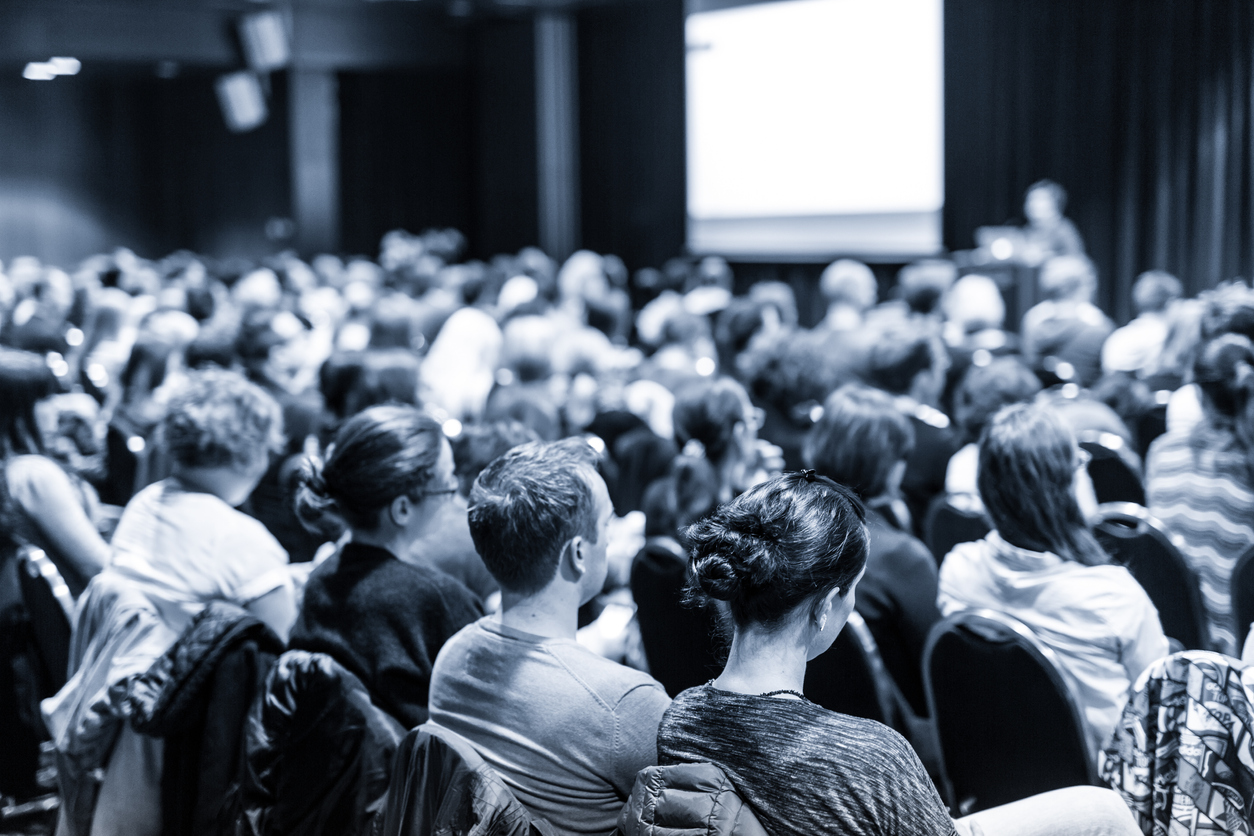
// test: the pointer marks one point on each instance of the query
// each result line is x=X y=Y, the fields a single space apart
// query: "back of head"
x=25 y=379
x=848 y=282
x=975 y=303
x=859 y=439
x=986 y=389
x=1028 y=461
x=776 y=546
x=220 y=419
x=1228 y=309
x=1154 y=290
x=924 y=283
x=1224 y=370
x=688 y=492
x=379 y=454
x=527 y=505
x=479 y=445
x=708 y=413
x=1068 y=277
x=897 y=356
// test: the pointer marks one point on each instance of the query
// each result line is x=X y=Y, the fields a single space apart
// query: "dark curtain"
x=1140 y=108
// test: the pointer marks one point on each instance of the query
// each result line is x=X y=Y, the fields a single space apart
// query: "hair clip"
x=809 y=475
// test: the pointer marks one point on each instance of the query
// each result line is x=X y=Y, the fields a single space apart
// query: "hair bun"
x=716 y=577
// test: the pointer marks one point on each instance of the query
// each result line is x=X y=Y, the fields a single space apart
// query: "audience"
x=1042 y=565
x=477 y=450
x=566 y=729
x=380 y=606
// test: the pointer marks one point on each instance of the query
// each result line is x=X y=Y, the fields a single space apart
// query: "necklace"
x=797 y=694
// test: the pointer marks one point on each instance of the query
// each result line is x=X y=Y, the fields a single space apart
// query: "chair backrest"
x=1243 y=595
x=1008 y=724
x=947 y=525
x=850 y=677
x=51 y=610
x=1135 y=539
x=1151 y=423
x=1114 y=468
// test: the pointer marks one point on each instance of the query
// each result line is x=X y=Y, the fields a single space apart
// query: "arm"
x=45 y=494
x=277 y=608
x=636 y=717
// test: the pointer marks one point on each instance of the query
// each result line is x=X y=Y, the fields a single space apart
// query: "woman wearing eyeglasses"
x=377 y=606
x=1042 y=565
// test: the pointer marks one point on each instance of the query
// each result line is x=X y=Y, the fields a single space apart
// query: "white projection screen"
x=815 y=128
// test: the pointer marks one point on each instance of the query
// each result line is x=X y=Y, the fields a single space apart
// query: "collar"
x=1020 y=559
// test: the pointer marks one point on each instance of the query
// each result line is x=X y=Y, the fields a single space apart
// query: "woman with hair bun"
x=786 y=557
x=1200 y=480
x=376 y=606
x=1042 y=565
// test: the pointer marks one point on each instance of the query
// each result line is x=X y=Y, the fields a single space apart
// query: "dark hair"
x=777 y=545
x=1056 y=191
x=480 y=444
x=923 y=283
x=220 y=419
x=897 y=356
x=709 y=413
x=24 y=380
x=351 y=381
x=379 y=454
x=688 y=492
x=1224 y=371
x=858 y=440
x=528 y=504
x=1026 y=472
x=986 y=389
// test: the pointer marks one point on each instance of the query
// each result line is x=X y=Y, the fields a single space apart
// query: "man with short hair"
x=566 y=729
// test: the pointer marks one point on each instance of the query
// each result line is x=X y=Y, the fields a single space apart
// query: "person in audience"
x=1136 y=346
x=380 y=606
x=850 y=290
x=786 y=558
x=1200 y=481
x=1042 y=565
x=975 y=314
x=566 y=729
x=1063 y=335
x=717 y=421
x=909 y=363
x=47 y=507
x=862 y=442
x=180 y=540
x=682 y=644
x=983 y=392
x=1049 y=232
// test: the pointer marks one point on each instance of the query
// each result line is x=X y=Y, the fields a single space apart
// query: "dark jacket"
x=441 y=785
x=687 y=799
x=317 y=754
x=196 y=697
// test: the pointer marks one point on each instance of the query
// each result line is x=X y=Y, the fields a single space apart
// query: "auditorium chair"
x=1114 y=468
x=850 y=677
x=1135 y=539
x=1008 y=725
x=947 y=525
x=1243 y=596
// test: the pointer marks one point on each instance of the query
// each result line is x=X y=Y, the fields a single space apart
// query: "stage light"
x=65 y=65
x=38 y=71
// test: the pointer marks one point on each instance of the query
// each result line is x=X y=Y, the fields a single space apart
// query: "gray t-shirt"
x=566 y=729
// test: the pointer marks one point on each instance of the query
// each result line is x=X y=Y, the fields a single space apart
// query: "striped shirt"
x=1199 y=484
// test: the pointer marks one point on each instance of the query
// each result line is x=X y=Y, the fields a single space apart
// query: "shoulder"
x=30 y=477
x=616 y=686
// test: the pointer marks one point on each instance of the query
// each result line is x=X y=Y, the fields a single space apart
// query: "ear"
x=400 y=510
x=823 y=607
x=573 y=556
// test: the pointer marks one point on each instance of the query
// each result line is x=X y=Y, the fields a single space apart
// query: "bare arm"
x=45 y=493
x=277 y=608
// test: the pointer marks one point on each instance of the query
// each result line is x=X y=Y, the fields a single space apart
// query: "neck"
x=762 y=661
x=552 y=612
x=381 y=538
